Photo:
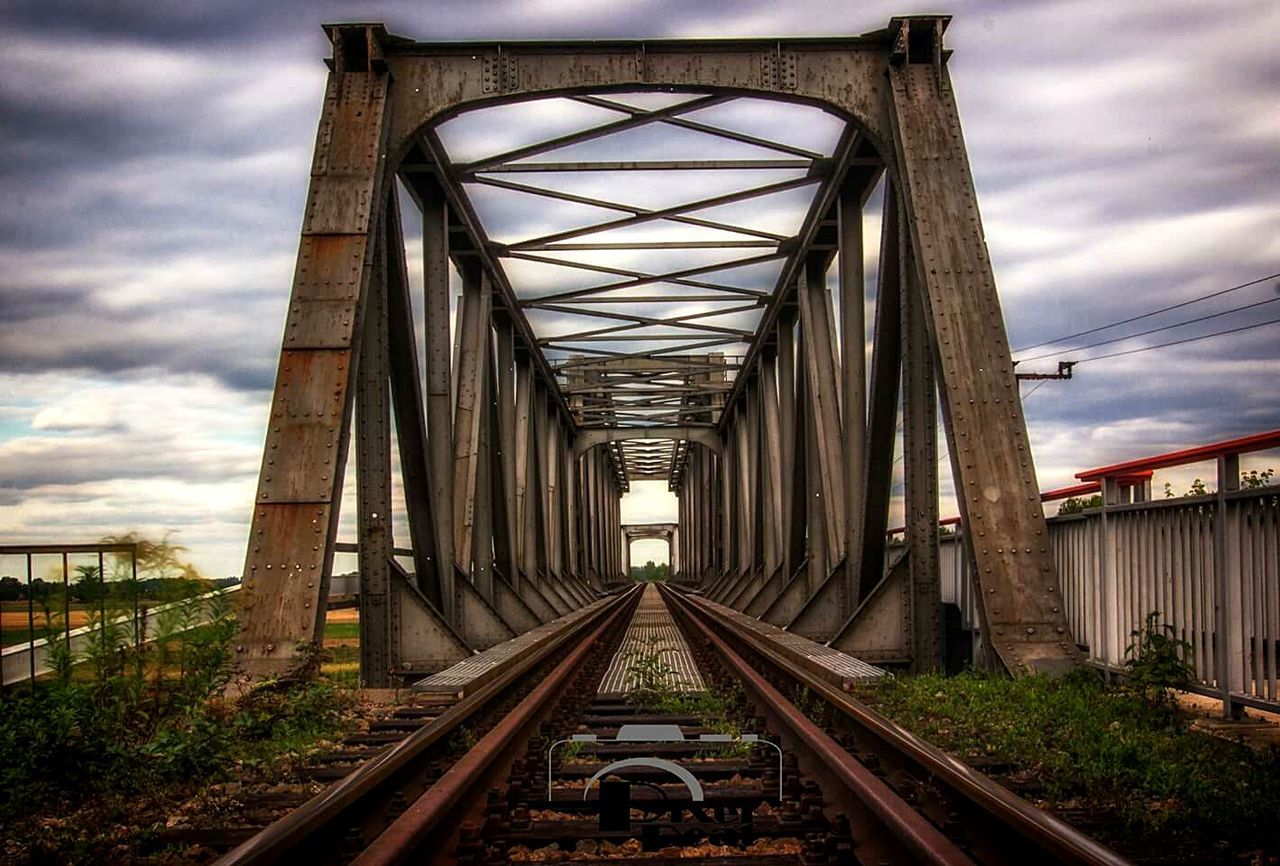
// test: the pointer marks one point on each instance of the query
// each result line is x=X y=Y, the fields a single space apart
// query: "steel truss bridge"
x=651 y=283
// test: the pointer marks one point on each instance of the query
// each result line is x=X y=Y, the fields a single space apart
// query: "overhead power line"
x=1204 y=318
x=1182 y=341
x=1148 y=315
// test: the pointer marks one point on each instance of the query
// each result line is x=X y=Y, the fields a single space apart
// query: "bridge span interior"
x=739 y=266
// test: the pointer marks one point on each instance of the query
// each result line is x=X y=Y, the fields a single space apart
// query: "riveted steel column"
x=886 y=367
x=506 y=543
x=524 y=466
x=742 y=488
x=538 y=488
x=791 y=399
x=473 y=329
x=487 y=475
x=712 y=555
x=572 y=519
x=920 y=470
x=771 y=456
x=591 y=512
x=691 y=528
x=853 y=380
x=820 y=366
x=550 y=477
x=996 y=487
x=692 y=534
x=373 y=489
x=439 y=373
x=817 y=509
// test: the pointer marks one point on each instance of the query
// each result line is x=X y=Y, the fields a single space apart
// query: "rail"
x=319 y=829
x=997 y=825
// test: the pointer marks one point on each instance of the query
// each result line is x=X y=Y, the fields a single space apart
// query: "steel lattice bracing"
x=644 y=252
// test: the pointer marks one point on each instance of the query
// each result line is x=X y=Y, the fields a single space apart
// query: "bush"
x=1155 y=661
x=131 y=719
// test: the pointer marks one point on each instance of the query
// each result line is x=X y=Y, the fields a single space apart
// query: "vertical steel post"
x=505 y=396
x=886 y=368
x=473 y=351
x=373 y=490
x=816 y=510
x=771 y=445
x=487 y=475
x=920 y=470
x=525 y=526
x=1229 y=625
x=996 y=487
x=792 y=398
x=295 y=518
x=568 y=467
x=853 y=380
x=439 y=374
x=820 y=363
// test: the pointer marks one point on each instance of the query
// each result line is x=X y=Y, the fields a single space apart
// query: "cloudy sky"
x=153 y=170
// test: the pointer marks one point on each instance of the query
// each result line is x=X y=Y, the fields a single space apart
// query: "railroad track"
x=659 y=727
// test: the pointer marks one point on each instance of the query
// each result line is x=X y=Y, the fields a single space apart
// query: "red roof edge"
x=1242 y=445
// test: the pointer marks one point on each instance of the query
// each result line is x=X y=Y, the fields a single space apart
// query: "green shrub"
x=1155 y=661
x=148 y=716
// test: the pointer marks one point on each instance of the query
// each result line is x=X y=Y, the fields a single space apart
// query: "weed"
x=1155 y=661
x=571 y=750
x=1110 y=749
x=146 y=716
x=652 y=688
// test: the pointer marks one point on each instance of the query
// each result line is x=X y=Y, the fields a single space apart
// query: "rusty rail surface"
x=885 y=824
x=999 y=826
x=333 y=822
x=908 y=801
x=432 y=822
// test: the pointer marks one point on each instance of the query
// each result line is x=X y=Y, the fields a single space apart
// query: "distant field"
x=342 y=627
x=14 y=622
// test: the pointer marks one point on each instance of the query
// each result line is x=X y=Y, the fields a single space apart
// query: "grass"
x=1075 y=743
x=11 y=636
x=341 y=630
x=716 y=709
x=340 y=665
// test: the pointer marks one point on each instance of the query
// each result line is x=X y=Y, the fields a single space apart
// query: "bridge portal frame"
x=493 y=479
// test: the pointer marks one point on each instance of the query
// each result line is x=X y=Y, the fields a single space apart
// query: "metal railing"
x=49 y=627
x=1207 y=565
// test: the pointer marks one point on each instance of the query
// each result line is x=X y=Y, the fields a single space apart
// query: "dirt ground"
x=12 y=618
x=1254 y=728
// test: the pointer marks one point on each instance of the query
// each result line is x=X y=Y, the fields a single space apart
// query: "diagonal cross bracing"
x=676 y=266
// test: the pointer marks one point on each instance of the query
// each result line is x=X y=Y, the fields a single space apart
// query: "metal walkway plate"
x=830 y=664
x=652 y=634
x=472 y=673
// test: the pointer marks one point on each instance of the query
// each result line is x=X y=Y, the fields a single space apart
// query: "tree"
x=651 y=571
x=87 y=586
x=10 y=588
x=1077 y=504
